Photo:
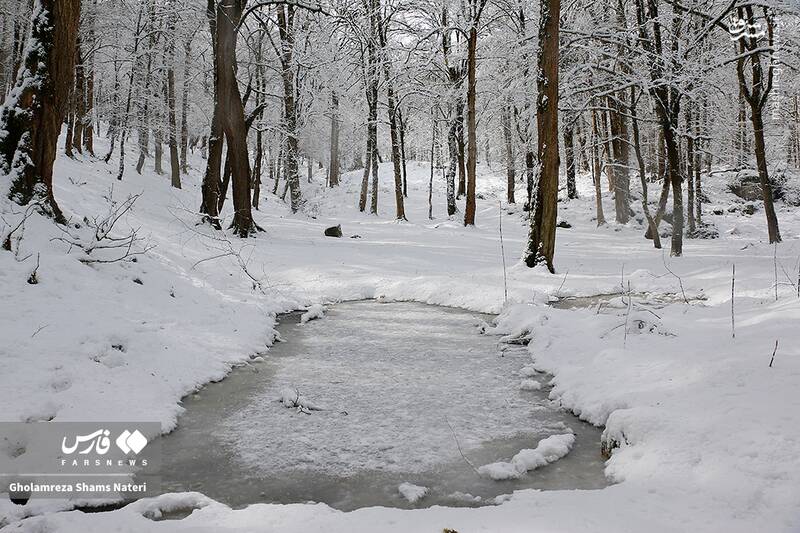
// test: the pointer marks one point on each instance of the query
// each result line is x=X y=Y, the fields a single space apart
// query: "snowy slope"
x=708 y=434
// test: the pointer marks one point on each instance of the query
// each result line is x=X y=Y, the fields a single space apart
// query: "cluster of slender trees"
x=656 y=89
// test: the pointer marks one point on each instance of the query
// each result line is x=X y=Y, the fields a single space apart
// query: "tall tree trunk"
x=690 y=171
x=472 y=141
x=462 y=167
x=187 y=58
x=637 y=146
x=622 y=180
x=569 y=153
x=333 y=168
x=756 y=96
x=286 y=29
x=596 y=166
x=511 y=171
x=400 y=212
x=231 y=114
x=452 y=168
x=402 y=123
x=91 y=41
x=175 y=176
x=69 y=134
x=32 y=115
x=80 y=99
x=542 y=235
x=144 y=101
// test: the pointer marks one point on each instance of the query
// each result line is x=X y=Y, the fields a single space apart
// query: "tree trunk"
x=88 y=130
x=598 y=190
x=472 y=141
x=33 y=113
x=286 y=21
x=402 y=123
x=452 y=145
x=187 y=55
x=462 y=167
x=511 y=171
x=80 y=99
x=756 y=96
x=637 y=146
x=542 y=235
x=175 y=176
x=231 y=115
x=622 y=180
x=569 y=153
x=400 y=212
x=690 y=171
x=333 y=168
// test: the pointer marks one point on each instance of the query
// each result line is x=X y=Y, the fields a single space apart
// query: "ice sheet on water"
x=393 y=379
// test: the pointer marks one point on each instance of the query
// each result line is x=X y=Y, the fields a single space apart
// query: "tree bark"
x=472 y=141
x=598 y=189
x=333 y=167
x=622 y=180
x=33 y=113
x=569 y=153
x=542 y=235
x=756 y=96
x=286 y=30
x=187 y=55
x=175 y=175
x=511 y=171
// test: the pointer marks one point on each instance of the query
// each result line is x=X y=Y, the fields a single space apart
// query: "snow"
x=530 y=384
x=312 y=313
x=705 y=436
x=548 y=451
x=412 y=493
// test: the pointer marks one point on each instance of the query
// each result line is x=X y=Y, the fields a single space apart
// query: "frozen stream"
x=397 y=384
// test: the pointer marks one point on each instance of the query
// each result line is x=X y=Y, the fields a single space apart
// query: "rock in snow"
x=547 y=451
x=412 y=493
x=334 y=231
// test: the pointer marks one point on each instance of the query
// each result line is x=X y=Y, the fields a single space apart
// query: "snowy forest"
x=433 y=265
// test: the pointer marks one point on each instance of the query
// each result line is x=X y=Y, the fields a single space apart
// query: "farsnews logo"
x=100 y=442
x=131 y=442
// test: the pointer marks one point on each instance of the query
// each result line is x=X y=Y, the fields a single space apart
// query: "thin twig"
x=455 y=437
x=733 y=291
x=503 y=254
x=680 y=281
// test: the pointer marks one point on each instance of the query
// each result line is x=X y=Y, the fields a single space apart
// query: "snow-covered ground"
x=706 y=435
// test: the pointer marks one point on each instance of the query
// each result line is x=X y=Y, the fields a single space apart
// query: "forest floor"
x=708 y=433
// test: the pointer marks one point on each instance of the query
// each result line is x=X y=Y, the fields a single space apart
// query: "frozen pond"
x=399 y=387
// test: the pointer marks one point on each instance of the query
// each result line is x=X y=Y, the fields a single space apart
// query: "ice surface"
x=393 y=378
x=395 y=384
